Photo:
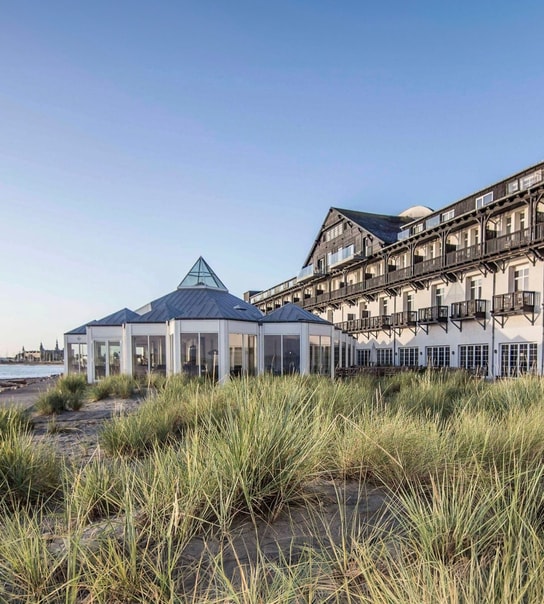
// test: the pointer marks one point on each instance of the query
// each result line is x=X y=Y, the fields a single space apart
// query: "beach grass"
x=157 y=514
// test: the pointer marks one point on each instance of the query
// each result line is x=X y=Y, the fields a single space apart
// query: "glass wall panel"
x=209 y=355
x=77 y=358
x=251 y=354
x=320 y=355
x=189 y=354
x=100 y=352
x=200 y=354
x=140 y=355
x=114 y=354
x=291 y=354
x=157 y=354
x=272 y=354
x=236 y=343
x=325 y=355
x=242 y=354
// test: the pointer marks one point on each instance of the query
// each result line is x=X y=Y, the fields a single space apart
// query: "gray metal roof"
x=384 y=227
x=291 y=313
x=78 y=331
x=125 y=315
x=199 y=303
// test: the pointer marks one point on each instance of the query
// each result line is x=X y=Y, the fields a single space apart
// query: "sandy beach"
x=23 y=392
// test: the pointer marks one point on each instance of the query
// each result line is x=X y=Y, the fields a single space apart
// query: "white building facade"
x=457 y=287
x=202 y=331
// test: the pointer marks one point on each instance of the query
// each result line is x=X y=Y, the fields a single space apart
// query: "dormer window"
x=483 y=200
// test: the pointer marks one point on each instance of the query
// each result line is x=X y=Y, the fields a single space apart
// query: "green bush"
x=73 y=384
x=52 y=401
x=101 y=390
x=29 y=471
x=56 y=401
x=14 y=419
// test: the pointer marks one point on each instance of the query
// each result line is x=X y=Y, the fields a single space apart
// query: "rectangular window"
x=512 y=187
x=272 y=354
x=521 y=278
x=448 y=215
x=531 y=179
x=242 y=354
x=282 y=354
x=474 y=357
x=320 y=355
x=384 y=357
x=363 y=357
x=474 y=288
x=518 y=359
x=409 y=356
x=200 y=354
x=438 y=356
x=409 y=301
x=507 y=225
x=483 y=200
x=384 y=303
x=334 y=232
x=439 y=295
x=77 y=358
x=520 y=221
x=432 y=221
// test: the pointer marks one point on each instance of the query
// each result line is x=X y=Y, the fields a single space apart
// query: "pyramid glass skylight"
x=201 y=275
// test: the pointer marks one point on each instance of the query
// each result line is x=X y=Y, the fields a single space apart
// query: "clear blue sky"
x=136 y=136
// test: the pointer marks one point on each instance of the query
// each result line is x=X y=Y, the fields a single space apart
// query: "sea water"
x=11 y=371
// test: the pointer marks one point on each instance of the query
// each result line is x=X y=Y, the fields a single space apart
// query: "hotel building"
x=459 y=287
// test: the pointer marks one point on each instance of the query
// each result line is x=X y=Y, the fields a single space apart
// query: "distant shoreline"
x=14 y=362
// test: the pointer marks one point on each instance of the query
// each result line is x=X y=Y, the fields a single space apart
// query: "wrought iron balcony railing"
x=433 y=314
x=514 y=303
x=468 y=309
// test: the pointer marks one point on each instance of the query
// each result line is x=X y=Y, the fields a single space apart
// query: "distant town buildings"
x=42 y=355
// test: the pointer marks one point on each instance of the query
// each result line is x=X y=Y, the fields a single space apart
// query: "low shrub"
x=101 y=390
x=14 y=419
x=56 y=401
x=52 y=401
x=121 y=386
x=29 y=471
x=73 y=384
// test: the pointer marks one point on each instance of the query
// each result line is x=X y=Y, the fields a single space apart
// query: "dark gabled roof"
x=291 y=313
x=201 y=275
x=382 y=226
x=78 y=331
x=125 y=315
x=199 y=303
x=385 y=228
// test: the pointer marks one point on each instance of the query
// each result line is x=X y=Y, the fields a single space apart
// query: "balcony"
x=433 y=314
x=427 y=266
x=378 y=281
x=400 y=274
x=407 y=318
x=469 y=309
x=308 y=272
x=514 y=303
x=508 y=242
x=460 y=256
x=342 y=255
x=379 y=322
